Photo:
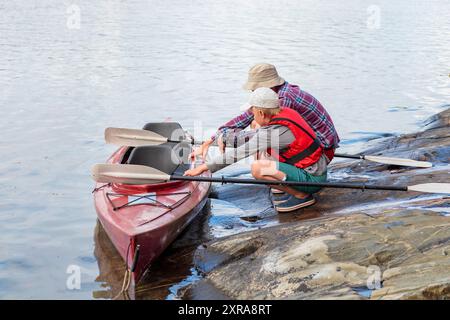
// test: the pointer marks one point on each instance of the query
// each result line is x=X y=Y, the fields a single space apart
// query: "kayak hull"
x=148 y=217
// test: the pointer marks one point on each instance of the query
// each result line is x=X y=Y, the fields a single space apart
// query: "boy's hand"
x=196 y=171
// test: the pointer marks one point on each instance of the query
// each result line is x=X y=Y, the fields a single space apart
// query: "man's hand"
x=196 y=171
x=202 y=150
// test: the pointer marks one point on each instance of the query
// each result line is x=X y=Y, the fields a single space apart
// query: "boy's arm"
x=276 y=138
x=231 y=155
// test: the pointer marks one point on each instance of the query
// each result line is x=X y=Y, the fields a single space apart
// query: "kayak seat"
x=169 y=158
x=171 y=130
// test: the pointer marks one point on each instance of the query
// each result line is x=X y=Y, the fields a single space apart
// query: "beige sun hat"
x=263 y=98
x=263 y=75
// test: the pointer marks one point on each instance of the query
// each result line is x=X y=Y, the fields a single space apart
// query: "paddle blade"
x=133 y=137
x=127 y=174
x=399 y=161
x=431 y=188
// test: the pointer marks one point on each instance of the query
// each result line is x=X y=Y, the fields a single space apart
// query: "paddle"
x=138 y=174
x=388 y=160
x=137 y=137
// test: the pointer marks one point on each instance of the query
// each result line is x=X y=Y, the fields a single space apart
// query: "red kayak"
x=142 y=220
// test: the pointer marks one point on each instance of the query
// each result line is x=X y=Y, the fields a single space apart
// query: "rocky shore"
x=351 y=244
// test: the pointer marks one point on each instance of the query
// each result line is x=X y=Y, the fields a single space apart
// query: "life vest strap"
x=305 y=153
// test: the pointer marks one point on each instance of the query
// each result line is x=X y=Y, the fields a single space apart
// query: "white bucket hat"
x=263 y=98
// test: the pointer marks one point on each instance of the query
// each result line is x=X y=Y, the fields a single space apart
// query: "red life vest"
x=306 y=149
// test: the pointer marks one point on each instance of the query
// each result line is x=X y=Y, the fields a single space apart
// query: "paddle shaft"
x=224 y=180
x=337 y=155
x=350 y=156
x=186 y=141
x=112 y=134
x=137 y=137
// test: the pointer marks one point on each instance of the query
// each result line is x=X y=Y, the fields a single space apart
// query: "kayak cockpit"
x=171 y=158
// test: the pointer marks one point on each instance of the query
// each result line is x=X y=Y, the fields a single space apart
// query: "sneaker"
x=280 y=197
x=294 y=203
x=276 y=191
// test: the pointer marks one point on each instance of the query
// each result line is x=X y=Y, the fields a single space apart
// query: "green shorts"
x=297 y=174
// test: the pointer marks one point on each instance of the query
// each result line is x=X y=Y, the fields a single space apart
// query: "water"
x=132 y=62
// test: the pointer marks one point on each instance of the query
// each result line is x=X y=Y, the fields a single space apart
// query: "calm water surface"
x=132 y=62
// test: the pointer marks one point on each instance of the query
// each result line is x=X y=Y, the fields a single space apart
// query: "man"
x=286 y=136
x=290 y=96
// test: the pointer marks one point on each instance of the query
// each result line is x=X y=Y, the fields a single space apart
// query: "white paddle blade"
x=431 y=188
x=127 y=174
x=132 y=137
x=399 y=162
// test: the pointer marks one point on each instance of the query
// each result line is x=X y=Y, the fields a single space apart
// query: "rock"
x=357 y=245
x=307 y=260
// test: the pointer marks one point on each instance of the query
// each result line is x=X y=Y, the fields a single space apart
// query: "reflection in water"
x=110 y=264
x=171 y=271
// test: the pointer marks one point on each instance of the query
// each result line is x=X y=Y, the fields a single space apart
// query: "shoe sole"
x=275 y=202
x=276 y=191
x=296 y=207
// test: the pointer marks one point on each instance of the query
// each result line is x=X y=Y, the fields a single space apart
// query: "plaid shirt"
x=291 y=96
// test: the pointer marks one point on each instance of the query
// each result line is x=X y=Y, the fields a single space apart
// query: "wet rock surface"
x=351 y=244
